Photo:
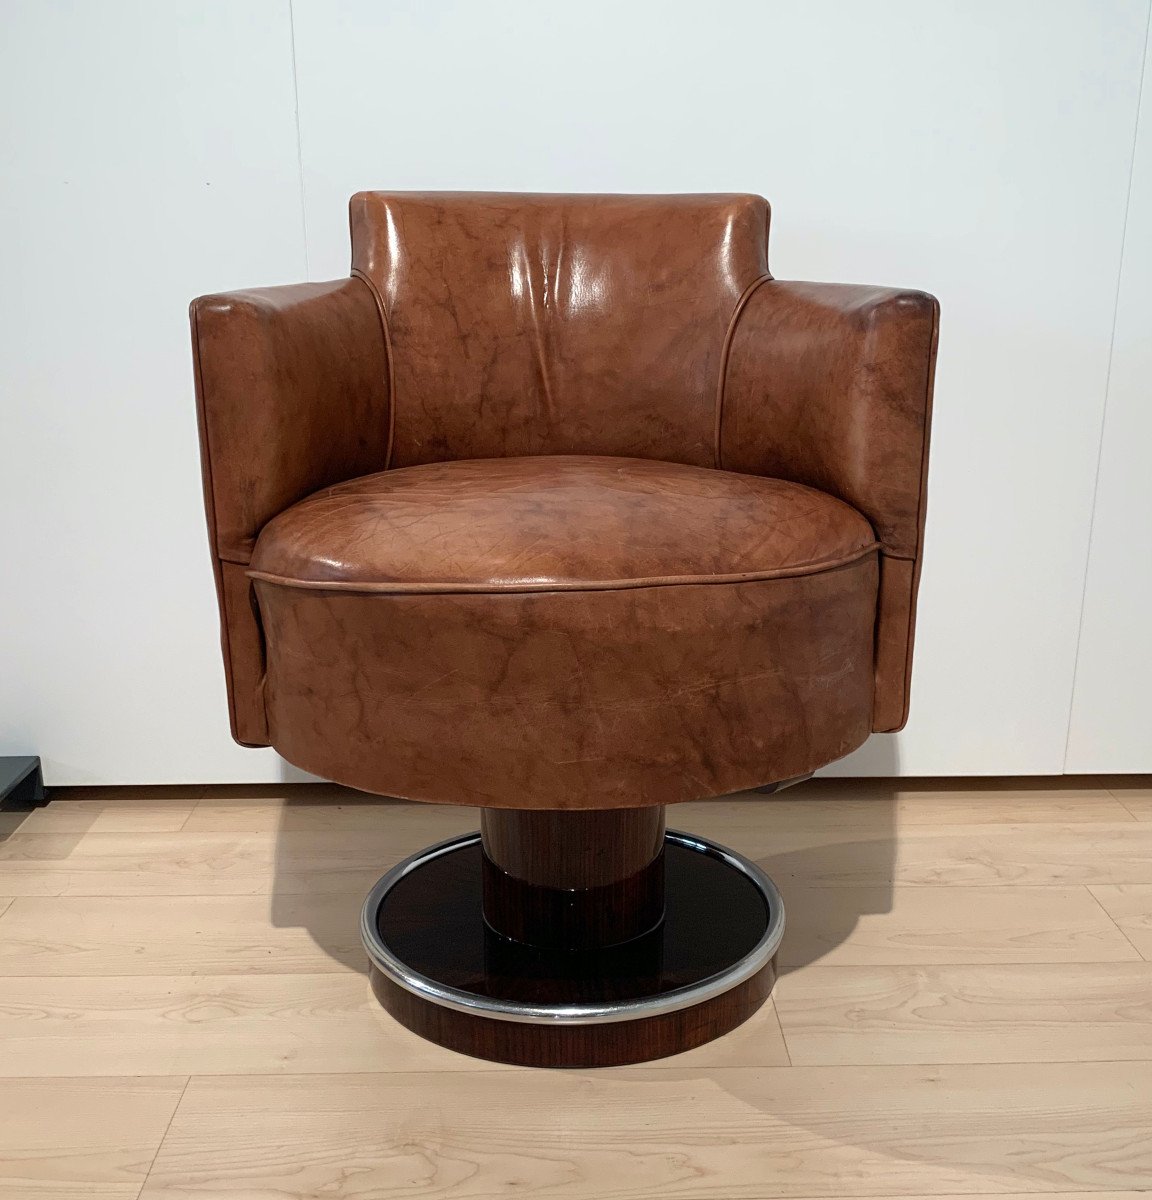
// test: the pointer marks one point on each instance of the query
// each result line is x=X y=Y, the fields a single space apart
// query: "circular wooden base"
x=442 y=971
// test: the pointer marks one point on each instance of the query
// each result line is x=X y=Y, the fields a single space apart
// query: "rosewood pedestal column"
x=573 y=939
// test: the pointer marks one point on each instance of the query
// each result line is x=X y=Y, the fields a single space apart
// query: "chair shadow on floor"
x=829 y=845
x=840 y=868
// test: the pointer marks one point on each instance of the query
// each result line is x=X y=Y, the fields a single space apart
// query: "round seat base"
x=440 y=970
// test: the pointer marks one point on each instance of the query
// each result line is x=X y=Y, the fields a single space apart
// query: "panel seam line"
x=299 y=139
x=390 y=379
x=1107 y=388
x=725 y=352
x=426 y=588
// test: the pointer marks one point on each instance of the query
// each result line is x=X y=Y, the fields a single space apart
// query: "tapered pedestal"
x=576 y=939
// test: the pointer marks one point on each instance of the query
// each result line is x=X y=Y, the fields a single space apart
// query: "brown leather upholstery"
x=611 y=620
x=292 y=395
x=557 y=324
x=831 y=385
x=555 y=523
x=614 y=698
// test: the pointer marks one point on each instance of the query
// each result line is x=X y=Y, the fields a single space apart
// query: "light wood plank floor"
x=965 y=1009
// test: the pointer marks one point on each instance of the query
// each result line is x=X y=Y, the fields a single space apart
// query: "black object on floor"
x=21 y=783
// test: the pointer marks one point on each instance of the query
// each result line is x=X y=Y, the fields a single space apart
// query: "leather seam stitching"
x=424 y=589
x=236 y=557
x=356 y=273
x=213 y=523
x=929 y=381
x=725 y=352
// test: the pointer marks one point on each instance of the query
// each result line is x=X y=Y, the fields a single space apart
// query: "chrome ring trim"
x=573 y=1014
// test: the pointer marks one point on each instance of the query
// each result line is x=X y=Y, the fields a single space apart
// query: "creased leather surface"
x=895 y=627
x=537 y=324
x=575 y=699
x=831 y=385
x=564 y=631
x=242 y=641
x=291 y=387
x=293 y=396
x=556 y=522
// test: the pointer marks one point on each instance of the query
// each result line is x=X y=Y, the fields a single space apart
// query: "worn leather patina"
x=564 y=502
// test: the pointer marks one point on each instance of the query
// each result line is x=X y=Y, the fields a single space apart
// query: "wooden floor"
x=966 y=1009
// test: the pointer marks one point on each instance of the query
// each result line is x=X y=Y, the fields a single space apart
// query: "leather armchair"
x=563 y=507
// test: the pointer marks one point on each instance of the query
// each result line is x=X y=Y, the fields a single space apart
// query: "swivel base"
x=704 y=967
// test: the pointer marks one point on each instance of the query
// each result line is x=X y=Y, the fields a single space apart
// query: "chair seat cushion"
x=566 y=632
x=554 y=523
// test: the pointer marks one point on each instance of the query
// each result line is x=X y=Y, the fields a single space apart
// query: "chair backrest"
x=553 y=324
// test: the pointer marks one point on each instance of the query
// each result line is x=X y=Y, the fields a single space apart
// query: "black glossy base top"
x=431 y=920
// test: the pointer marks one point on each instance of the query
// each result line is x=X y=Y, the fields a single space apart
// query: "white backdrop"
x=1111 y=726
x=981 y=150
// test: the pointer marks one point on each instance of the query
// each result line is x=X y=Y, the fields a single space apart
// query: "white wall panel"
x=149 y=154
x=979 y=150
x=1111 y=728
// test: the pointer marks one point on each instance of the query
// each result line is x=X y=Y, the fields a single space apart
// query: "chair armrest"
x=831 y=385
x=292 y=393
